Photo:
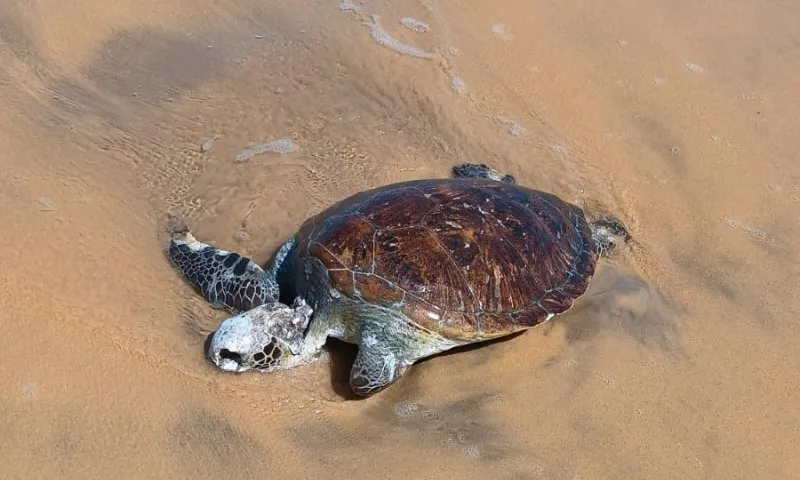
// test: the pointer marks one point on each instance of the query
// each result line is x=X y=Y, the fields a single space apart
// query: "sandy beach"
x=245 y=118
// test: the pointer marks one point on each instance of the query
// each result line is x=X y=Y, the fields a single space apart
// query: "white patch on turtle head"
x=235 y=335
x=369 y=341
x=245 y=341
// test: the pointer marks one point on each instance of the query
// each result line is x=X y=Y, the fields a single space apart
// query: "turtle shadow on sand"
x=341 y=356
x=619 y=300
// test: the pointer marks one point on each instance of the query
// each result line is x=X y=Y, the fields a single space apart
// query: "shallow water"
x=682 y=360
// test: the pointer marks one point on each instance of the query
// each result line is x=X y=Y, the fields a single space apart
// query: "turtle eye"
x=228 y=355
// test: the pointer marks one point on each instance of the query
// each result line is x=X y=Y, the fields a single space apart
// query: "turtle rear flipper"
x=226 y=279
x=609 y=231
x=481 y=170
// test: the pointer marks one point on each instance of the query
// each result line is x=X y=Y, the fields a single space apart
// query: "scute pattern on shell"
x=468 y=258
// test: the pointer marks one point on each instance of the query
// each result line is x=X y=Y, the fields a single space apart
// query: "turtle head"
x=266 y=338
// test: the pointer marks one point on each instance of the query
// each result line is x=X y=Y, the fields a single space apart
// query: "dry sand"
x=681 y=117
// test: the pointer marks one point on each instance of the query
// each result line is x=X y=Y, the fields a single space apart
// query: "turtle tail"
x=608 y=232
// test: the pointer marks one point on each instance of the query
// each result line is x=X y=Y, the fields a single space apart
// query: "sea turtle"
x=403 y=271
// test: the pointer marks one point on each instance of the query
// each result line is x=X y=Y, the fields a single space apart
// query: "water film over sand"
x=245 y=118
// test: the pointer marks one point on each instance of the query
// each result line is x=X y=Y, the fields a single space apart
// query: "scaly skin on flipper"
x=388 y=344
x=607 y=232
x=375 y=368
x=481 y=170
x=225 y=279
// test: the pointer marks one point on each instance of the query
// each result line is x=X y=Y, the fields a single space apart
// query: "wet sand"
x=682 y=360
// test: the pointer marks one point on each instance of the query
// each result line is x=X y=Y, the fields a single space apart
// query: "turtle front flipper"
x=226 y=279
x=373 y=372
x=481 y=170
x=379 y=362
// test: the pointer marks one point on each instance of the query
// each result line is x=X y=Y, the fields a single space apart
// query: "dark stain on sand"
x=661 y=140
x=207 y=443
x=14 y=32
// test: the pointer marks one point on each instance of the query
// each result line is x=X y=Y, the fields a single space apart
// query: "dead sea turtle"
x=403 y=271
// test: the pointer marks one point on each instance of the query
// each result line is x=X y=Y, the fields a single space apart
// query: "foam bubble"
x=349 y=6
x=559 y=149
x=383 y=38
x=516 y=129
x=458 y=85
x=283 y=145
x=28 y=389
x=404 y=409
x=752 y=231
x=414 y=24
x=499 y=30
x=472 y=451
x=207 y=145
x=692 y=67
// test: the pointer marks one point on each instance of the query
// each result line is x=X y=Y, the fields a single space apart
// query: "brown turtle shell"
x=471 y=259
